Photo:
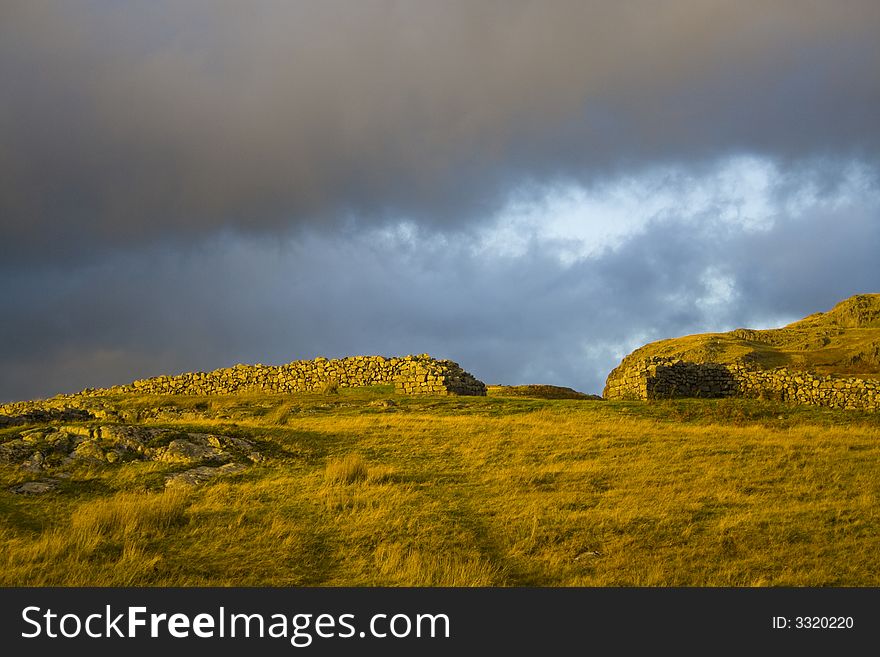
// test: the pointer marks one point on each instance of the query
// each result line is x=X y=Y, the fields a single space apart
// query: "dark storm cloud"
x=514 y=319
x=130 y=122
x=186 y=185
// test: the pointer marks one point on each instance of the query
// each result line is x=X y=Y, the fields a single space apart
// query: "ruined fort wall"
x=659 y=378
x=412 y=375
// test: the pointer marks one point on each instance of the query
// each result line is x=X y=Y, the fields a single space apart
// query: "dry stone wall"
x=412 y=375
x=661 y=378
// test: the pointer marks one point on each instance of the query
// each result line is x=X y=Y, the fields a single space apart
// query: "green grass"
x=455 y=491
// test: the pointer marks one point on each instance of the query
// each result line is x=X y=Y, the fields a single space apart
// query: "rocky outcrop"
x=20 y=414
x=201 y=474
x=53 y=449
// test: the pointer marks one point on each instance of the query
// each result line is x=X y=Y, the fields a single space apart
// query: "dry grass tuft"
x=130 y=514
x=414 y=567
x=348 y=470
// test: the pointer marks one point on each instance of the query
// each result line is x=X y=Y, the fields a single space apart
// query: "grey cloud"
x=522 y=319
x=142 y=122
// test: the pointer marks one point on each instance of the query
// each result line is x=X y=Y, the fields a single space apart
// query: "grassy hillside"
x=844 y=340
x=369 y=488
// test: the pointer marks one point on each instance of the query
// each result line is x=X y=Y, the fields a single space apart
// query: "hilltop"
x=844 y=341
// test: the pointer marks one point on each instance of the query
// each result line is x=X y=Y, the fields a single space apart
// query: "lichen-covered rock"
x=234 y=444
x=49 y=447
x=15 y=451
x=201 y=474
x=34 y=487
x=38 y=412
x=88 y=450
x=125 y=439
x=191 y=450
x=34 y=463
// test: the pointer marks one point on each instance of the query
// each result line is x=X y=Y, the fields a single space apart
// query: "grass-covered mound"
x=538 y=391
x=843 y=341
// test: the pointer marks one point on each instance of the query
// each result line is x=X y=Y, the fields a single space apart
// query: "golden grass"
x=347 y=470
x=116 y=532
x=352 y=468
x=461 y=492
x=844 y=341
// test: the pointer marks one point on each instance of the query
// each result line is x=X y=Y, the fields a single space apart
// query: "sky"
x=531 y=189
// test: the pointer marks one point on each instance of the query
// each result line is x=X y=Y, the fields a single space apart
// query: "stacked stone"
x=659 y=378
x=410 y=374
x=437 y=377
x=677 y=378
x=805 y=388
x=628 y=381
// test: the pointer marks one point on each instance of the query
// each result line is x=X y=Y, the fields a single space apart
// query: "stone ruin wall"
x=661 y=378
x=411 y=375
